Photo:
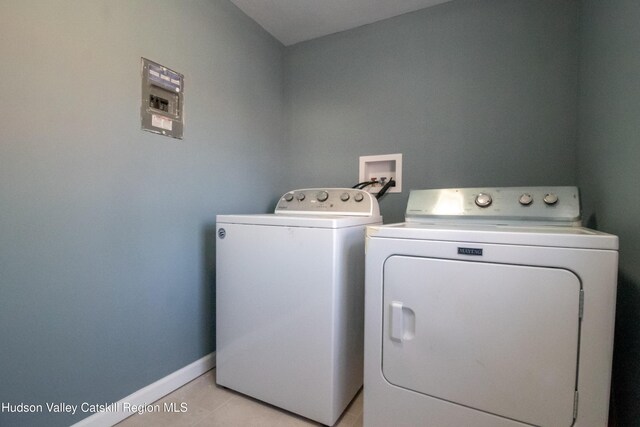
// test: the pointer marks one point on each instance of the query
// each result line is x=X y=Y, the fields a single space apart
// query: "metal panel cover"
x=162 y=106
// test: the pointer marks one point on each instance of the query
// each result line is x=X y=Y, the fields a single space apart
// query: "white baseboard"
x=150 y=393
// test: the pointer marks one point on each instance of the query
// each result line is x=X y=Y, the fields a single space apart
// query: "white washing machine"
x=290 y=301
x=489 y=307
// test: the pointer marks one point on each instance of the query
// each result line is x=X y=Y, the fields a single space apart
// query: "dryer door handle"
x=397 y=326
x=403 y=322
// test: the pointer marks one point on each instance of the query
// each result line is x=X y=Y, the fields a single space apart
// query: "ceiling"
x=293 y=21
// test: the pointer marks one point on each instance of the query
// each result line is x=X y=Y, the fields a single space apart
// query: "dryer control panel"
x=497 y=205
x=328 y=201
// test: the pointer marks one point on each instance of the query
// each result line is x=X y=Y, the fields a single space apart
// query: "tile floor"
x=211 y=405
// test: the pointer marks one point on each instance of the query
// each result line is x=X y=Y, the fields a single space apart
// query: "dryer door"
x=499 y=338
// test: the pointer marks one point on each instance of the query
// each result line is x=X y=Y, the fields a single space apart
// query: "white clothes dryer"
x=290 y=301
x=489 y=307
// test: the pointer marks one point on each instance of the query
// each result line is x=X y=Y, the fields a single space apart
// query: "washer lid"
x=549 y=236
x=280 y=220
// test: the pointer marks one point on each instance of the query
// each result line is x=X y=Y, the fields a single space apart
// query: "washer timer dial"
x=322 y=196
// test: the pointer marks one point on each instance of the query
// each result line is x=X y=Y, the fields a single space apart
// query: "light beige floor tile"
x=198 y=395
x=172 y=407
x=288 y=419
x=167 y=416
x=144 y=420
x=243 y=412
x=134 y=421
x=209 y=405
x=204 y=393
x=292 y=420
x=355 y=407
x=346 y=420
x=207 y=377
x=359 y=421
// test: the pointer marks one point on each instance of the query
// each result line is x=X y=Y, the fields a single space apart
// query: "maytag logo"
x=470 y=251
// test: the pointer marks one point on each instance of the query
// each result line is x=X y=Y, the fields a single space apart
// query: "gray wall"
x=473 y=93
x=106 y=231
x=608 y=172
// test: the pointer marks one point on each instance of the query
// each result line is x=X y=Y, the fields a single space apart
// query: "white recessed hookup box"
x=381 y=168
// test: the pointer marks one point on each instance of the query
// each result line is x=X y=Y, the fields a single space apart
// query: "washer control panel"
x=328 y=201
x=560 y=205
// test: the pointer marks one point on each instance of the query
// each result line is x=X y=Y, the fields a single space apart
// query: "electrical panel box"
x=162 y=108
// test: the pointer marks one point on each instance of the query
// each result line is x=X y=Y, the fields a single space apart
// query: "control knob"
x=344 y=197
x=322 y=196
x=550 y=198
x=525 y=199
x=288 y=197
x=483 y=200
x=358 y=197
x=300 y=196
